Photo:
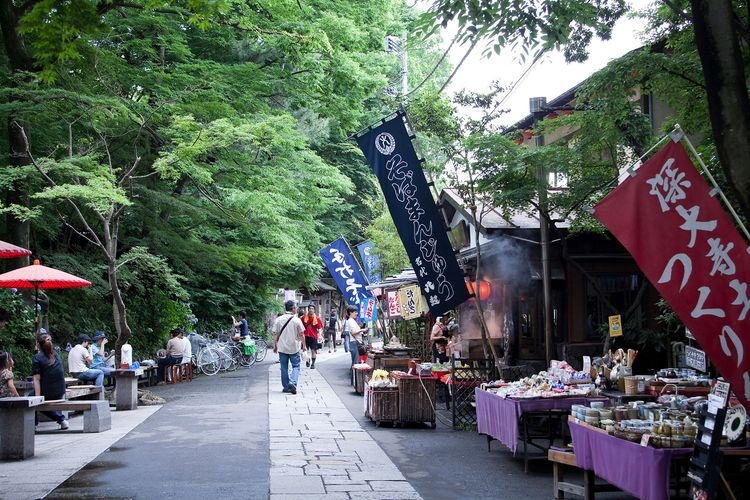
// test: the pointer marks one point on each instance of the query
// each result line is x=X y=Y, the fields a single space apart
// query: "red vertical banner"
x=673 y=225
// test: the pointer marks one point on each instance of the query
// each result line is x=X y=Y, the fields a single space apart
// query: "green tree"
x=717 y=31
x=208 y=138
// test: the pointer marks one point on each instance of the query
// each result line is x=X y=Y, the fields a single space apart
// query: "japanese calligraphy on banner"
x=411 y=302
x=394 y=306
x=391 y=155
x=691 y=252
x=370 y=261
x=368 y=309
x=345 y=271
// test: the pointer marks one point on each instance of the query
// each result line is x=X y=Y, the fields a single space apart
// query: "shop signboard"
x=695 y=358
x=672 y=223
x=615 y=326
x=411 y=302
x=390 y=153
x=394 y=306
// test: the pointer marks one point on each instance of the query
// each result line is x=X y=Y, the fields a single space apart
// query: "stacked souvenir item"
x=561 y=380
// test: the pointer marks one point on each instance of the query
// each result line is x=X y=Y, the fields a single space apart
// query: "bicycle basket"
x=248 y=346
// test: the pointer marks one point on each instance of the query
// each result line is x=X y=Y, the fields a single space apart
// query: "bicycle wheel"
x=260 y=349
x=208 y=361
x=246 y=360
x=228 y=359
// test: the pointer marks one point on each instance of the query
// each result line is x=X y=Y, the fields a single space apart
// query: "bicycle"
x=261 y=346
x=246 y=352
x=214 y=356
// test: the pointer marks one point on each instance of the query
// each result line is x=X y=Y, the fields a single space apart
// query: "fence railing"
x=466 y=376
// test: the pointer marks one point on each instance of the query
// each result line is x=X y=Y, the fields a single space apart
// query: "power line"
x=432 y=72
x=458 y=66
x=520 y=79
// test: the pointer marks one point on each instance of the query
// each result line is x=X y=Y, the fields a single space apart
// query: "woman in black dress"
x=49 y=376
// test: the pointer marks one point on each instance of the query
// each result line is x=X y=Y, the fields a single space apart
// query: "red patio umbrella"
x=10 y=251
x=37 y=276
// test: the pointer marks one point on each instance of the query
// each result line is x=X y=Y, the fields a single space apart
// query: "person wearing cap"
x=79 y=361
x=288 y=333
x=100 y=355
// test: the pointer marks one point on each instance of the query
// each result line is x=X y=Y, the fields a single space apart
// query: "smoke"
x=504 y=265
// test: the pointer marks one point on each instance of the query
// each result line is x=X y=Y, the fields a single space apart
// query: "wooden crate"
x=381 y=404
x=416 y=402
x=361 y=374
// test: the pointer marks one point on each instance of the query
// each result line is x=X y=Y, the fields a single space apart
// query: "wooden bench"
x=84 y=392
x=587 y=490
x=96 y=414
x=17 y=427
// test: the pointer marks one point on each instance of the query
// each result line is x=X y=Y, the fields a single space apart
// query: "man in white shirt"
x=173 y=355
x=288 y=333
x=187 y=349
x=79 y=359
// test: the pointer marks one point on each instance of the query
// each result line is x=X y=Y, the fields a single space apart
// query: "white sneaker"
x=64 y=425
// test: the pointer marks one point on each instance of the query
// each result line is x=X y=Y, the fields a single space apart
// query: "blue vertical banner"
x=345 y=270
x=368 y=309
x=391 y=156
x=370 y=261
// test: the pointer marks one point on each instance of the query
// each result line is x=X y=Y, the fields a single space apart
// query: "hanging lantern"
x=482 y=291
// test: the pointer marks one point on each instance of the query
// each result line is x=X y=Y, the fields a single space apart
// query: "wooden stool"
x=186 y=371
x=174 y=372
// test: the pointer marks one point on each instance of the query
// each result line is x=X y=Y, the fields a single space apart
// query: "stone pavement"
x=319 y=450
x=60 y=454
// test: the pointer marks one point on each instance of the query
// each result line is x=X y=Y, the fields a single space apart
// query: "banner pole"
x=714 y=184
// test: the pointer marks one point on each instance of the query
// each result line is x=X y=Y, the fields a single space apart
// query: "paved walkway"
x=319 y=450
x=60 y=454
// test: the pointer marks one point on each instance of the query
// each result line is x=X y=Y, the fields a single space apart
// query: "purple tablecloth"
x=498 y=417
x=642 y=471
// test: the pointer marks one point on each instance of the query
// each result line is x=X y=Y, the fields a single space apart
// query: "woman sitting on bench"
x=49 y=377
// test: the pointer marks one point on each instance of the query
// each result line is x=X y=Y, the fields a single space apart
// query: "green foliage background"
x=218 y=131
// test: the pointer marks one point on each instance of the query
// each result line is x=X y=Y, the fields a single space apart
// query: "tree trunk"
x=118 y=307
x=726 y=88
x=19 y=59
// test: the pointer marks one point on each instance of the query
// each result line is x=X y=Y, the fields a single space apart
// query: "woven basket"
x=628 y=434
x=631 y=385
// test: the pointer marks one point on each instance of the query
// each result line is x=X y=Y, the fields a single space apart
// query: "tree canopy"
x=190 y=158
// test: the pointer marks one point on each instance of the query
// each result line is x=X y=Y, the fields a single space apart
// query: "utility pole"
x=397 y=45
x=537 y=107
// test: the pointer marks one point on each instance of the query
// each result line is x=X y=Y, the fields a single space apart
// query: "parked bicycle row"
x=221 y=352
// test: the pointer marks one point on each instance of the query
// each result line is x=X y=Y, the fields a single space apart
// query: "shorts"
x=312 y=343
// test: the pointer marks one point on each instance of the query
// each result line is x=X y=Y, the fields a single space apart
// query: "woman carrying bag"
x=352 y=328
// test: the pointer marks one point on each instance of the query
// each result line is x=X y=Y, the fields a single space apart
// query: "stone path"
x=319 y=450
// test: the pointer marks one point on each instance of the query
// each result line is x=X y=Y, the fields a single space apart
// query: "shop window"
x=619 y=290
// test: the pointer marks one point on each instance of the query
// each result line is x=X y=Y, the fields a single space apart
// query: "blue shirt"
x=98 y=358
x=243 y=327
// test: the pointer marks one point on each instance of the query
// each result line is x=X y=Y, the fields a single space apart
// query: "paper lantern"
x=483 y=291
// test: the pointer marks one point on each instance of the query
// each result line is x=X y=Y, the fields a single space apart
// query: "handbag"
x=361 y=348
